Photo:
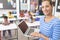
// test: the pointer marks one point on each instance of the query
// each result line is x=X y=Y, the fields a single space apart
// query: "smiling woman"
x=49 y=24
x=47 y=8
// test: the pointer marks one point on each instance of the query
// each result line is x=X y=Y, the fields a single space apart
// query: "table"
x=9 y=27
x=35 y=24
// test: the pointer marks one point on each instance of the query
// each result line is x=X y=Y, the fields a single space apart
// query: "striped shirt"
x=50 y=29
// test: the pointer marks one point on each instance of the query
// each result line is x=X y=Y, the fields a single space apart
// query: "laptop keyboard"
x=30 y=31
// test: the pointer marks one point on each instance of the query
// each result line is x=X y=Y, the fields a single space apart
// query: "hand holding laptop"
x=35 y=34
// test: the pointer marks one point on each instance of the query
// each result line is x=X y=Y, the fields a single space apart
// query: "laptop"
x=25 y=29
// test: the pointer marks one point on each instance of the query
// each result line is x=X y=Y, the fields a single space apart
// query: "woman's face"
x=46 y=8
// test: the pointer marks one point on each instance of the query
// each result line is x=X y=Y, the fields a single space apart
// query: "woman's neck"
x=50 y=16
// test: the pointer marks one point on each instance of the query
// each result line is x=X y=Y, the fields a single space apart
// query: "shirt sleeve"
x=56 y=31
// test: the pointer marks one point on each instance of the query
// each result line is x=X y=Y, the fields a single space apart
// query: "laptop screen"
x=23 y=26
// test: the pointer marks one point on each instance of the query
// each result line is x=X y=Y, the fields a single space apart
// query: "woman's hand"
x=35 y=34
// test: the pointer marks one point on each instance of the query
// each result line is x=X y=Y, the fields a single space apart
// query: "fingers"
x=32 y=34
x=35 y=34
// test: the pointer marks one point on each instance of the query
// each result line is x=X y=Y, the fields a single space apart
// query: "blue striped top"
x=50 y=29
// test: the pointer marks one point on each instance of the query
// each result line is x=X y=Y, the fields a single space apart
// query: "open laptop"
x=25 y=29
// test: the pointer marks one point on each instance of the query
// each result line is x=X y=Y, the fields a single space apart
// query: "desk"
x=22 y=18
x=8 y=27
x=37 y=16
x=35 y=24
x=12 y=19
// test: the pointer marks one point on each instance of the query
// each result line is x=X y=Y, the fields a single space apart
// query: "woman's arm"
x=55 y=35
x=35 y=34
x=56 y=31
x=43 y=36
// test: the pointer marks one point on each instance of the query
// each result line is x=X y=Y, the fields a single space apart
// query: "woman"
x=49 y=24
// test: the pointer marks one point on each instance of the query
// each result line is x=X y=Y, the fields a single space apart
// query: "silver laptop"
x=25 y=29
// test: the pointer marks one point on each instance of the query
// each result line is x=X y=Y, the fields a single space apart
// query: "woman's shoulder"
x=56 y=25
x=56 y=21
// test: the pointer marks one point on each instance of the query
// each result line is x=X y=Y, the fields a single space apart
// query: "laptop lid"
x=23 y=26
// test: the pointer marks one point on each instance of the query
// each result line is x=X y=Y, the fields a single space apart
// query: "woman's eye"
x=42 y=7
x=47 y=6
